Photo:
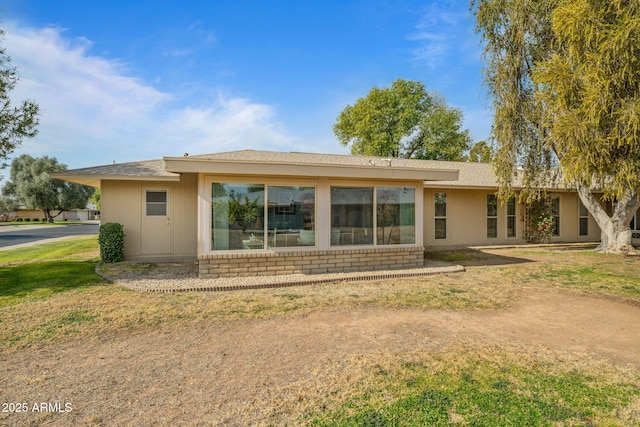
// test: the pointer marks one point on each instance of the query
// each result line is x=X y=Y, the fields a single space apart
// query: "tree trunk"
x=615 y=239
x=615 y=234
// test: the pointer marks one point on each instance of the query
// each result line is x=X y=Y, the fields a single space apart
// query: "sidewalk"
x=40 y=242
x=26 y=227
x=13 y=227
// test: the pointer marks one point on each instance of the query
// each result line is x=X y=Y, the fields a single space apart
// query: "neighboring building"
x=36 y=215
x=23 y=214
x=263 y=213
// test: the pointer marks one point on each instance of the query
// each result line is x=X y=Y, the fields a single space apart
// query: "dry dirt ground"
x=247 y=372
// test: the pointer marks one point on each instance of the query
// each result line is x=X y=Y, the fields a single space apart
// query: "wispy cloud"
x=441 y=33
x=95 y=111
x=226 y=123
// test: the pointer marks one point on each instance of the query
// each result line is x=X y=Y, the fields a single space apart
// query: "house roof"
x=434 y=173
x=471 y=175
x=147 y=170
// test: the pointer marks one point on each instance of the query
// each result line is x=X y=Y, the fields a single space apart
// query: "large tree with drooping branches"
x=564 y=79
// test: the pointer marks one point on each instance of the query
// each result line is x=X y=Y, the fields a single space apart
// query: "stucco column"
x=323 y=212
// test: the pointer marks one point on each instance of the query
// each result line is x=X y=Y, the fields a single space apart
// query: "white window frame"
x=582 y=217
x=322 y=187
x=165 y=203
x=514 y=216
x=557 y=215
x=492 y=217
x=440 y=217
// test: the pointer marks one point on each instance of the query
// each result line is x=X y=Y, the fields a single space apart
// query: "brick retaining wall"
x=308 y=262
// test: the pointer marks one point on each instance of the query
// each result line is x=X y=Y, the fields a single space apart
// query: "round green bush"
x=111 y=240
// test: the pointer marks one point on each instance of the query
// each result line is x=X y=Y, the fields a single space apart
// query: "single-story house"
x=263 y=213
x=36 y=215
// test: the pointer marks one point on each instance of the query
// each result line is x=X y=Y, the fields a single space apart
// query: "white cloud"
x=94 y=111
x=226 y=124
x=441 y=33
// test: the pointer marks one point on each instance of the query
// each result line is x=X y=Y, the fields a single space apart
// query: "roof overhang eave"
x=235 y=167
x=93 y=180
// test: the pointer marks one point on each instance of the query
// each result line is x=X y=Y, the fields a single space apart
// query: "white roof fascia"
x=238 y=167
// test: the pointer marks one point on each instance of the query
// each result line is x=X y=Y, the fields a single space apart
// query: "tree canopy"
x=405 y=121
x=31 y=186
x=481 y=152
x=564 y=78
x=16 y=122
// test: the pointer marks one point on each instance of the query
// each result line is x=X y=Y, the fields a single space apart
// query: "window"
x=492 y=215
x=635 y=224
x=351 y=216
x=395 y=215
x=291 y=216
x=555 y=209
x=440 y=215
x=511 y=217
x=156 y=202
x=584 y=219
x=257 y=216
x=237 y=216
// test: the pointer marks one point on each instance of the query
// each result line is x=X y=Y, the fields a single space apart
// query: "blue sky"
x=133 y=80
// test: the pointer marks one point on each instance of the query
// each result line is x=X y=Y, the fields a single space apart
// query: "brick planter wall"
x=308 y=262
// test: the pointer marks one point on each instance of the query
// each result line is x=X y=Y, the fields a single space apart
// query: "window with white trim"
x=511 y=217
x=440 y=216
x=156 y=202
x=635 y=221
x=492 y=215
x=584 y=219
x=555 y=209
x=355 y=210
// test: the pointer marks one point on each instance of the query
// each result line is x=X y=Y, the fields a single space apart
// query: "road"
x=26 y=234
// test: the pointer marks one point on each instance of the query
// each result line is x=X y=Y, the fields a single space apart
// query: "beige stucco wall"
x=124 y=202
x=467 y=221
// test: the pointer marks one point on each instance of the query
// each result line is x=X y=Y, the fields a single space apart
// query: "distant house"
x=263 y=213
x=35 y=215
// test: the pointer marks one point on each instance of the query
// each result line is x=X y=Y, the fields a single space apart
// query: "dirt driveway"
x=254 y=371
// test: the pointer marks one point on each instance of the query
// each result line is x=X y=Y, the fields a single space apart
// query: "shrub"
x=111 y=240
x=539 y=221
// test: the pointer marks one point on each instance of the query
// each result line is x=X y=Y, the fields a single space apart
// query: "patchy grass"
x=50 y=294
x=567 y=268
x=584 y=271
x=455 y=256
x=483 y=386
x=124 y=269
x=38 y=289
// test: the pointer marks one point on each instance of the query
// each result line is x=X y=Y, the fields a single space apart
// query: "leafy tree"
x=403 y=121
x=481 y=152
x=564 y=78
x=16 y=123
x=95 y=198
x=32 y=186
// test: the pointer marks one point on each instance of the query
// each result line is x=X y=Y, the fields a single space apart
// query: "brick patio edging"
x=262 y=282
